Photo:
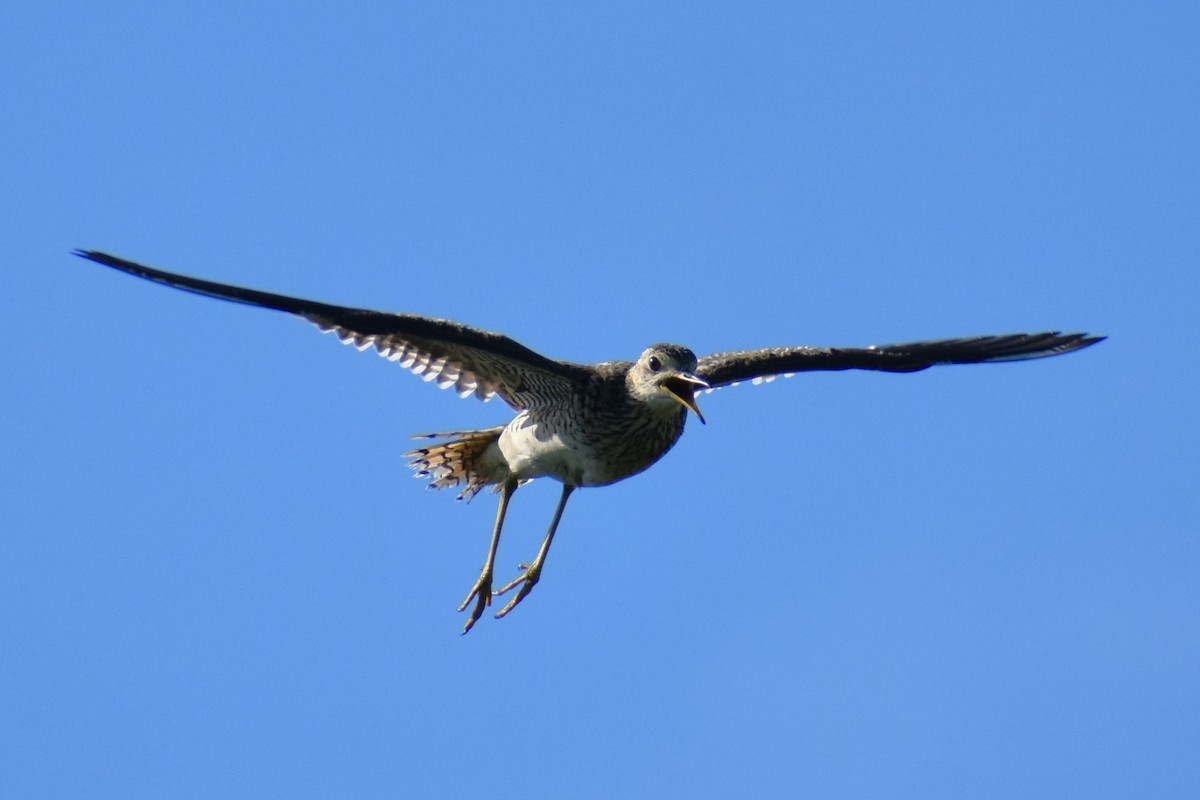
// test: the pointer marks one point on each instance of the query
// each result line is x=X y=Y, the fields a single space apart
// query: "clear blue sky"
x=218 y=579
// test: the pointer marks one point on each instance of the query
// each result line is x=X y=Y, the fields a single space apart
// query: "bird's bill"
x=682 y=388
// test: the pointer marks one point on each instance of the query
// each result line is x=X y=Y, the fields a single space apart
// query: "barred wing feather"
x=724 y=369
x=469 y=360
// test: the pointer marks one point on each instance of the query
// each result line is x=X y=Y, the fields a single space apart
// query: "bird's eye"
x=654 y=364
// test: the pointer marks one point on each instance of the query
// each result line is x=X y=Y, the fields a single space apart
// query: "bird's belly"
x=536 y=449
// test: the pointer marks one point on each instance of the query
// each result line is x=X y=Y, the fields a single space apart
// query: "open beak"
x=683 y=387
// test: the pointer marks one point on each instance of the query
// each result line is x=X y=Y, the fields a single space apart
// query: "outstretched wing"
x=454 y=355
x=722 y=369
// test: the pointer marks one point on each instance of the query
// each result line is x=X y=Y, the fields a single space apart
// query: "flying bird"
x=580 y=424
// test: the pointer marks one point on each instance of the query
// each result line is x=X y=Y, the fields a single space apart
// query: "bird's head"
x=664 y=375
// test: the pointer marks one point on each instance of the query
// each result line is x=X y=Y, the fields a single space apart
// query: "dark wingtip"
x=1022 y=347
x=105 y=259
x=1078 y=341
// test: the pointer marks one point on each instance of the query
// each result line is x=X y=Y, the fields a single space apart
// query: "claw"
x=482 y=594
x=526 y=588
x=529 y=578
x=508 y=587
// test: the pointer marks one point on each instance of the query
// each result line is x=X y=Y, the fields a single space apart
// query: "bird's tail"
x=457 y=462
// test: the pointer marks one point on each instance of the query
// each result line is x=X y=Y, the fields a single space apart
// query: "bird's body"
x=600 y=433
x=582 y=425
x=596 y=432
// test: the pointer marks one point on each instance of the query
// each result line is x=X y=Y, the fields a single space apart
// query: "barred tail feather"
x=456 y=462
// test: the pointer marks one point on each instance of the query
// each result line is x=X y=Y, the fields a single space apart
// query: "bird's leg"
x=481 y=592
x=534 y=571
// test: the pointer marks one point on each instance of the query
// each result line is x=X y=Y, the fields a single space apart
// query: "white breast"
x=534 y=449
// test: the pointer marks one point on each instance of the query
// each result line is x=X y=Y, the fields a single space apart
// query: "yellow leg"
x=533 y=571
x=481 y=592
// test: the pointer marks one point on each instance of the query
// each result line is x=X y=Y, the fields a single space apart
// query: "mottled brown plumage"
x=583 y=425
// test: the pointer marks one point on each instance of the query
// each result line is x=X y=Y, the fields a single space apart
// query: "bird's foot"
x=481 y=593
x=530 y=573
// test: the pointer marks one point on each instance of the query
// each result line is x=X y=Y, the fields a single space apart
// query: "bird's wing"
x=723 y=369
x=470 y=360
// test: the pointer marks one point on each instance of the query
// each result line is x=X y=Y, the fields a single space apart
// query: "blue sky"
x=217 y=577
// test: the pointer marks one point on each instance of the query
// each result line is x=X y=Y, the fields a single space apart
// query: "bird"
x=583 y=425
